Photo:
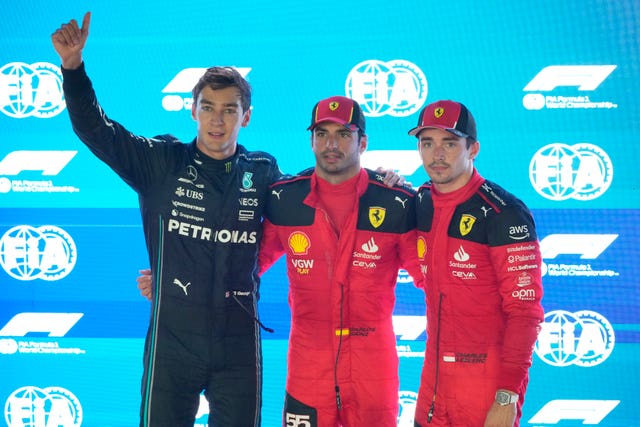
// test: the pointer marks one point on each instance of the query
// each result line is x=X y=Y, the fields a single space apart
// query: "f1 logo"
x=588 y=246
x=589 y=411
x=55 y=324
x=585 y=77
x=50 y=162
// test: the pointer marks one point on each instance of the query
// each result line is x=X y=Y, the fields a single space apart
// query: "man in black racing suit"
x=201 y=206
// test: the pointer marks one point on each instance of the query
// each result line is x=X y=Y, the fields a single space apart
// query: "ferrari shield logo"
x=376 y=216
x=466 y=224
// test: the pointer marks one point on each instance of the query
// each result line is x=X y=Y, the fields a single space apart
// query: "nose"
x=216 y=118
x=332 y=142
x=438 y=153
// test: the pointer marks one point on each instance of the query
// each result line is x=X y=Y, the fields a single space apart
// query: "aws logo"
x=519 y=232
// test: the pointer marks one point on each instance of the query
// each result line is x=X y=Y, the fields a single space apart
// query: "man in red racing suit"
x=478 y=248
x=345 y=235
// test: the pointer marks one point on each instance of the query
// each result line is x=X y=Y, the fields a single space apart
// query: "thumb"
x=86 y=22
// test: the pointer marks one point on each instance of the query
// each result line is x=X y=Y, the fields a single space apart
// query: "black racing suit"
x=202 y=225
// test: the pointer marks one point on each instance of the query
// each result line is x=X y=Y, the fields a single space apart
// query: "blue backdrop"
x=553 y=87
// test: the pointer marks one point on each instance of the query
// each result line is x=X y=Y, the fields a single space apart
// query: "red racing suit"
x=479 y=251
x=342 y=359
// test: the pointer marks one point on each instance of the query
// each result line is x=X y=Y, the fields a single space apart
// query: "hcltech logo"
x=28 y=253
x=183 y=82
x=584 y=338
x=583 y=77
x=31 y=406
x=31 y=90
x=581 y=171
x=396 y=88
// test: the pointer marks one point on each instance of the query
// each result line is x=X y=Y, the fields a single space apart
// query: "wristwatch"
x=504 y=398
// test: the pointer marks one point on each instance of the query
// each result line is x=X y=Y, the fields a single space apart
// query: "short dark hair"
x=222 y=78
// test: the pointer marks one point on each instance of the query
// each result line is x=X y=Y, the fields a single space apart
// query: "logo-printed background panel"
x=553 y=88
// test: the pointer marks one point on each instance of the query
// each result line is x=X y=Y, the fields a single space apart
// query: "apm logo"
x=560 y=172
x=31 y=90
x=182 y=84
x=28 y=253
x=32 y=406
x=396 y=88
x=48 y=162
x=583 y=77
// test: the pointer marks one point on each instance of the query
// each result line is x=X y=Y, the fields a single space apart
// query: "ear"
x=246 y=118
x=363 y=143
x=474 y=149
x=194 y=107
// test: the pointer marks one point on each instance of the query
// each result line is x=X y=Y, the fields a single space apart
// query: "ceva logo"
x=183 y=83
x=583 y=77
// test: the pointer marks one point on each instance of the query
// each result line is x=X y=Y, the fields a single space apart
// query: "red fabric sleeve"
x=270 y=247
x=408 y=250
x=518 y=271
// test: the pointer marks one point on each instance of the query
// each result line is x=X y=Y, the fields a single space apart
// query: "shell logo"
x=422 y=248
x=299 y=243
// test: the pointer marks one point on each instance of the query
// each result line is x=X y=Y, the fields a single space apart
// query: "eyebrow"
x=446 y=138
x=228 y=104
x=322 y=128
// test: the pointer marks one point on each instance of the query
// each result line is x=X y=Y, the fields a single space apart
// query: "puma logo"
x=401 y=201
x=183 y=287
x=276 y=193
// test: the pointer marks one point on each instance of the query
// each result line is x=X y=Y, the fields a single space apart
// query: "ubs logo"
x=191 y=194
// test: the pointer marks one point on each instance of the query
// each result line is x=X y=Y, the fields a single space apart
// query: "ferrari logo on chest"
x=376 y=215
x=466 y=224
